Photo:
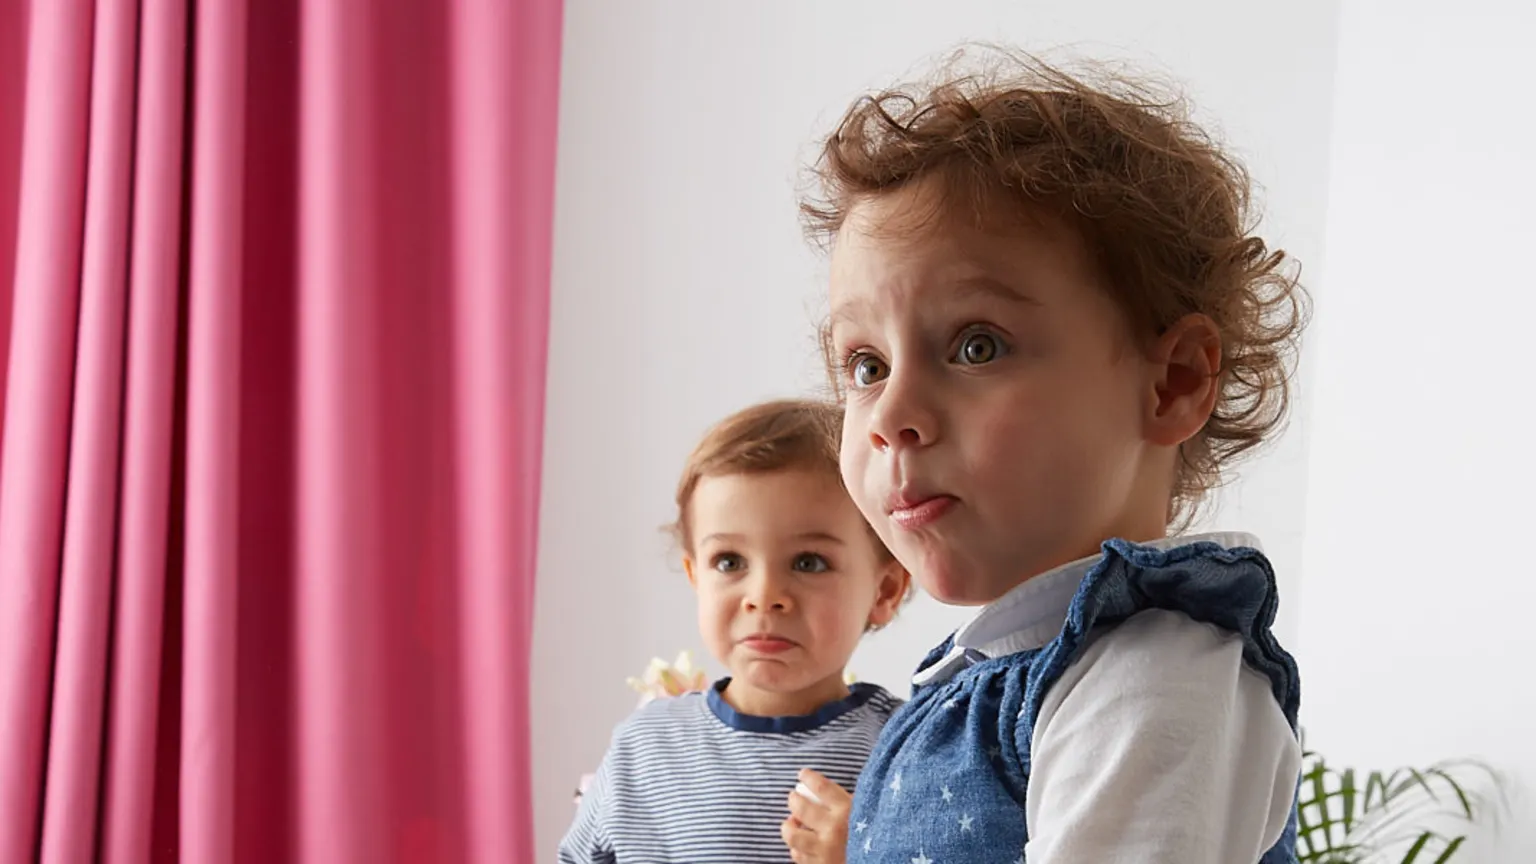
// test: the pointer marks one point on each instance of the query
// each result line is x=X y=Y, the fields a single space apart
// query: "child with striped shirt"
x=788 y=577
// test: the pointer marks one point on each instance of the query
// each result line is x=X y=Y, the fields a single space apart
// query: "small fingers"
x=813 y=816
x=797 y=837
x=824 y=790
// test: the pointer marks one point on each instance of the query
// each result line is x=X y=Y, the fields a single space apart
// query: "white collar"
x=1032 y=613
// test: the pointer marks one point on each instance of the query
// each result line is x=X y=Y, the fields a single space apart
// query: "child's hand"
x=817 y=828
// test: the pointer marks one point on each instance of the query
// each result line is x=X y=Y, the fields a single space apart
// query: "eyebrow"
x=821 y=536
x=986 y=286
x=848 y=313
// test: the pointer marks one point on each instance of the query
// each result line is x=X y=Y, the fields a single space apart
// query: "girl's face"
x=997 y=408
x=788 y=579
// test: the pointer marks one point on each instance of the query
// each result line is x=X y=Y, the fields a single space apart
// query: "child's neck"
x=1087 y=553
x=757 y=702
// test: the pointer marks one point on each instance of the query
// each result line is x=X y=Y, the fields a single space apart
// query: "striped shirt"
x=691 y=780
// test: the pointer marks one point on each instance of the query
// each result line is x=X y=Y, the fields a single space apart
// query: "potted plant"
x=1407 y=816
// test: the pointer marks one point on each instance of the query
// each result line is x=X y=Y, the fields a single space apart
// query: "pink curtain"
x=272 y=369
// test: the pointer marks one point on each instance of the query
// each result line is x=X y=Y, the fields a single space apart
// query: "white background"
x=1418 y=603
x=683 y=291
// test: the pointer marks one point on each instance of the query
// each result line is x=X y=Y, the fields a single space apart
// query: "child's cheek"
x=838 y=612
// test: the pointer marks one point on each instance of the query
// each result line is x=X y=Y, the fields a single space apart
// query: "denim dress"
x=964 y=738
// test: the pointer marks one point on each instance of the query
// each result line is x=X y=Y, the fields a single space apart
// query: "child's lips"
x=767 y=643
x=917 y=511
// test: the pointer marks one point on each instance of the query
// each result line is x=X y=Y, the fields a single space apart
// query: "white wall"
x=682 y=288
x=1417 y=634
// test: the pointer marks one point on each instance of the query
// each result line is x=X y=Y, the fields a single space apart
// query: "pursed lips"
x=768 y=643
x=914 y=507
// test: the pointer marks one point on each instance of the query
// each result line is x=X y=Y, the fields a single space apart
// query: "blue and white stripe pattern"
x=691 y=780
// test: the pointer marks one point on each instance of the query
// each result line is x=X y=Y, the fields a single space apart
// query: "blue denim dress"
x=966 y=736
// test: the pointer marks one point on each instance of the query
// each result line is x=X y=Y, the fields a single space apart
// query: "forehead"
x=912 y=240
x=784 y=503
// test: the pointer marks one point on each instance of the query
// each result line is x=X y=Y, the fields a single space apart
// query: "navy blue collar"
x=858 y=695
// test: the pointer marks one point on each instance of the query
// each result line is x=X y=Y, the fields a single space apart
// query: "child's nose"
x=902 y=418
x=904 y=437
x=769 y=591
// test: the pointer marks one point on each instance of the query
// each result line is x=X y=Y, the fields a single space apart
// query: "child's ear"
x=895 y=582
x=688 y=568
x=1186 y=380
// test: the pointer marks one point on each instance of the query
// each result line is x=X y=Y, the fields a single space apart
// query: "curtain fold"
x=85 y=572
x=273 y=321
x=146 y=563
x=45 y=300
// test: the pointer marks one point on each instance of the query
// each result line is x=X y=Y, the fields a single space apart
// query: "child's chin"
x=770 y=677
x=945 y=584
x=958 y=581
x=773 y=678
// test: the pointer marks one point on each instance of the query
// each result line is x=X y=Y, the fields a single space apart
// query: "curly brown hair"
x=780 y=435
x=1167 y=212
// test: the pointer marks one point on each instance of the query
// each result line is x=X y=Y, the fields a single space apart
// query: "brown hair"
x=781 y=435
x=1167 y=213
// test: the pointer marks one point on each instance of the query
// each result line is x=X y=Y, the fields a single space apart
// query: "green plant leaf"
x=1347 y=799
x=1342 y=821
x=1450 y=849
x=1375 y=791
x=1461 y=794
x=1417 y=847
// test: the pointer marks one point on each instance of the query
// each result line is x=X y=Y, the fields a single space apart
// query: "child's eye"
x=977 y=349
x=809 y=562
x=728 y=562
x=865 y=369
